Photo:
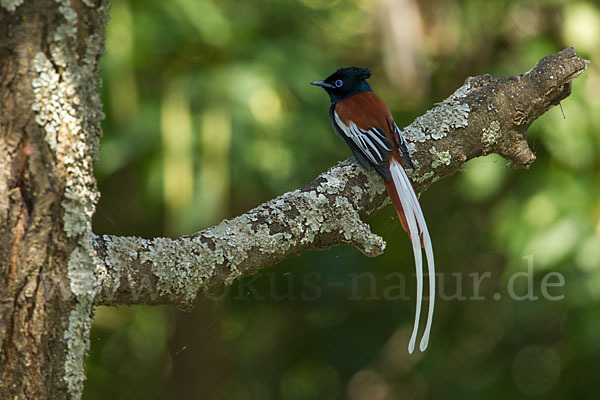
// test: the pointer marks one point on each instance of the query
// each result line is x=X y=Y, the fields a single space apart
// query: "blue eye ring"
x=339 y=83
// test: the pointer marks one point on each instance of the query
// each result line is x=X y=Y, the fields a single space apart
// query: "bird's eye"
x=338 y=83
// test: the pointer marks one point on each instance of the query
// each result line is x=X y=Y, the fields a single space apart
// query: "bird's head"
x=345 y=82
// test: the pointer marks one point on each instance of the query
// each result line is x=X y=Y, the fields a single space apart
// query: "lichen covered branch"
x=485 y=115
x=320 y=215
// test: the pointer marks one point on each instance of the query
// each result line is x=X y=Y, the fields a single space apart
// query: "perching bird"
x=361 y=118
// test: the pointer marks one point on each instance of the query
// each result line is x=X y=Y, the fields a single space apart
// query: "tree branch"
x=485 y=115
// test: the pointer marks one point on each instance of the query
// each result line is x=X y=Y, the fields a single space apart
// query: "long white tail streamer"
x=417 y=227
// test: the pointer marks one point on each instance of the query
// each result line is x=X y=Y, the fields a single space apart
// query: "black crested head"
x=345 y=82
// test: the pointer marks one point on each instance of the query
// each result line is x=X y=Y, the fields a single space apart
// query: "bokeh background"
x=210 y=113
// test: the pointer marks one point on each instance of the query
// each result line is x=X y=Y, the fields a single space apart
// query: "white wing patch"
x=366 y=141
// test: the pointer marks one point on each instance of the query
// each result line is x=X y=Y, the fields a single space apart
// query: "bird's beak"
x=323 y=84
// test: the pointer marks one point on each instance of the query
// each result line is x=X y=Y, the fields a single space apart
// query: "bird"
x=365 y=123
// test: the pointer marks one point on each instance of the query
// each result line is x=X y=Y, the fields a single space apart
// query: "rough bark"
x=49 y=129
x=485 y=115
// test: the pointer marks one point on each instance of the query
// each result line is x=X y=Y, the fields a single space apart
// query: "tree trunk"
x=49 y=131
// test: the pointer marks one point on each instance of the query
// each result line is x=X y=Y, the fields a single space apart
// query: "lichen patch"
x=452 y=113
x=439 y=157
x=68 y=108
x=11 y=5
x=490 y=136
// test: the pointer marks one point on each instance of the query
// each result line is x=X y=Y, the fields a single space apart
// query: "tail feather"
x=393 y=193
x=411 y=217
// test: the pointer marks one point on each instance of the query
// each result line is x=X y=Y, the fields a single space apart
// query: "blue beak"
x=323 y=84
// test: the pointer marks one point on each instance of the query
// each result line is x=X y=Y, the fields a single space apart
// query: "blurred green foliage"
x=209 y=113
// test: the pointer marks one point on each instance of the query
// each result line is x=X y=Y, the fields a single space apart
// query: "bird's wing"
x=366 y=124
x=360 y=156
x=369 y=143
